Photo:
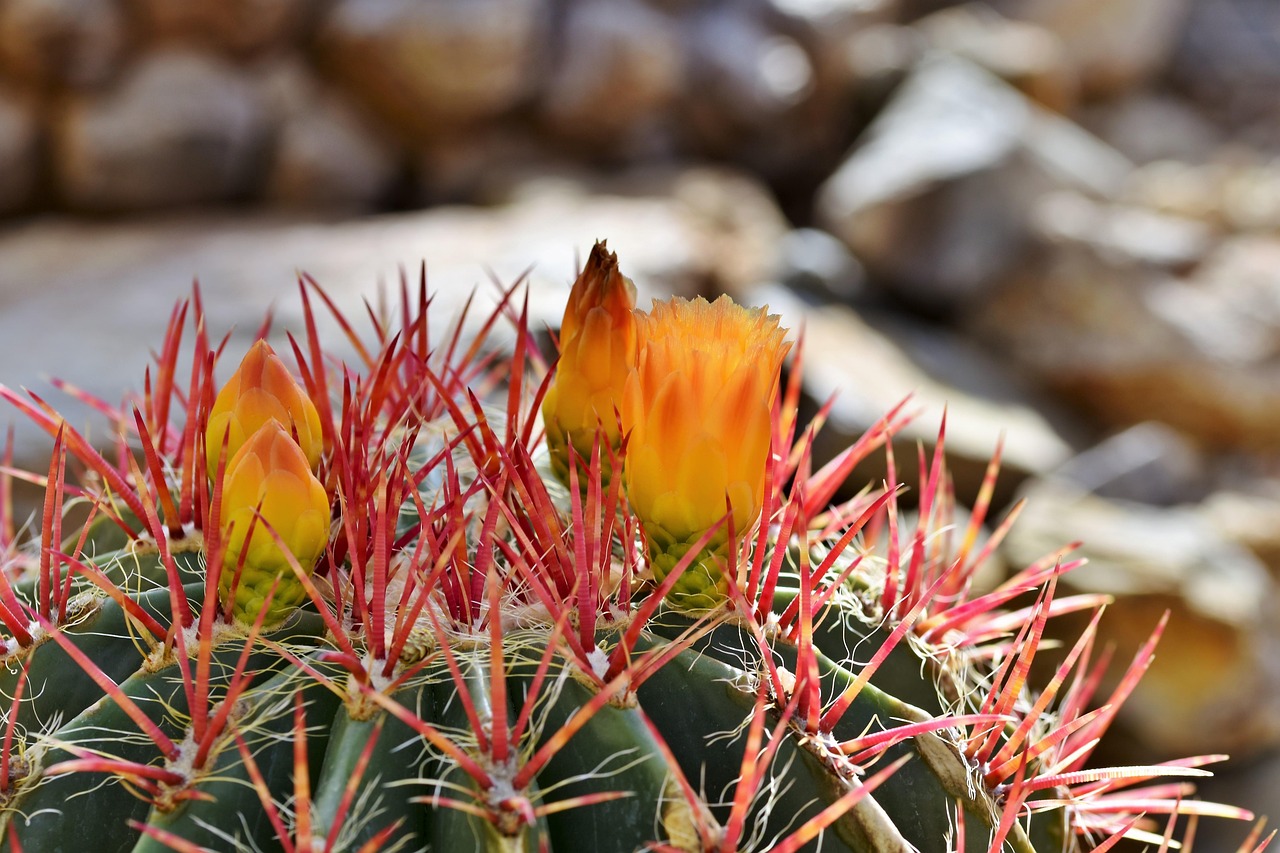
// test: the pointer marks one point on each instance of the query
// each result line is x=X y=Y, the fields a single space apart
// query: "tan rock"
x=1025 y=55
x=181 y=128
x=619 y=72
x=74 y=43
x=235 y=25
x=1249 y=519
x=431 y=66
x=1128 y=342
x=328 y=154
x=19 y=152
x=1116 y=45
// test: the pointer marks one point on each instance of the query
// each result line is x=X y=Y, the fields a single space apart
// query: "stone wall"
x=121 y=106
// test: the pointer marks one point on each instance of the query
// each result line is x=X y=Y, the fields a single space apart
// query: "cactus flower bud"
x=597 y=352
x=268 y=480
x=261 y=390
x=698 y=411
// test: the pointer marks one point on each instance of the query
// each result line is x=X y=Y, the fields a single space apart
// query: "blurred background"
x=1059 y=219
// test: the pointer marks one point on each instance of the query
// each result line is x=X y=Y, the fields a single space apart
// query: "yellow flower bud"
x=597 y=352
x=260 y=391
x=269 y=480
x=697 y=407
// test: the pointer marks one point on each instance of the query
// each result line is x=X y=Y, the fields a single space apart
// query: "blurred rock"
x=235 y=25
x=1123 y=234
x=485 y=165
x=871 y=362
x=832 y=33
x=1150 y=463
x=74 y=43
x=328 y=155
x=745 y=80
x=1250 y=519
x=817 y=265
x=1130 y=343
x=1151 y=126
x=1179 y=188
x=432 y=66
x=181 y=128
x=1115 y=45
x=1229 y=60
x=1214 y=685
x=19 y=152
x=935 y=198
x=1024 y=55
x=614 y=81
x=1234 y=193
x=839 y=18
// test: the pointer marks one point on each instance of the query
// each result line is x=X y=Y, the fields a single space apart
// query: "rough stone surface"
x=181 y=128
x=236 y=25
x=935 y=198
x=431 y=66
x=75 y=43
x=1117 y=45
x=616 y=79
x=19 y=152
x=1215 y=683
x=1129 y=343
x=327 y=155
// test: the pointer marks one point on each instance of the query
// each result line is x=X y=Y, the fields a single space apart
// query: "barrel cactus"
x=444 y=597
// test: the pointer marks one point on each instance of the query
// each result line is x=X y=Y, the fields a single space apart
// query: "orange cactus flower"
x=260 y=391
x=698 y=411
x=597 y=352
x=269 y=480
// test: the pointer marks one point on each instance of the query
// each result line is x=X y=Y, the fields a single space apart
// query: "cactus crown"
x=428 y=642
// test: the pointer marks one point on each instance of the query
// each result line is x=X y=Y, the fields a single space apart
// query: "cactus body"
x=483 y=662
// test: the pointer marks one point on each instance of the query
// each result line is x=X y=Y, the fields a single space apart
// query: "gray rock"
x=935 y=198
x=432 y=66
x=1228 y=59
x=1214 y=685
x=619 y=73
x=1150 y=463
x=1129 y=343
x=816 y=264
x=328 y=155
x=75 y=43
x=234 y=25
x=181 y=128
x=19 y=152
